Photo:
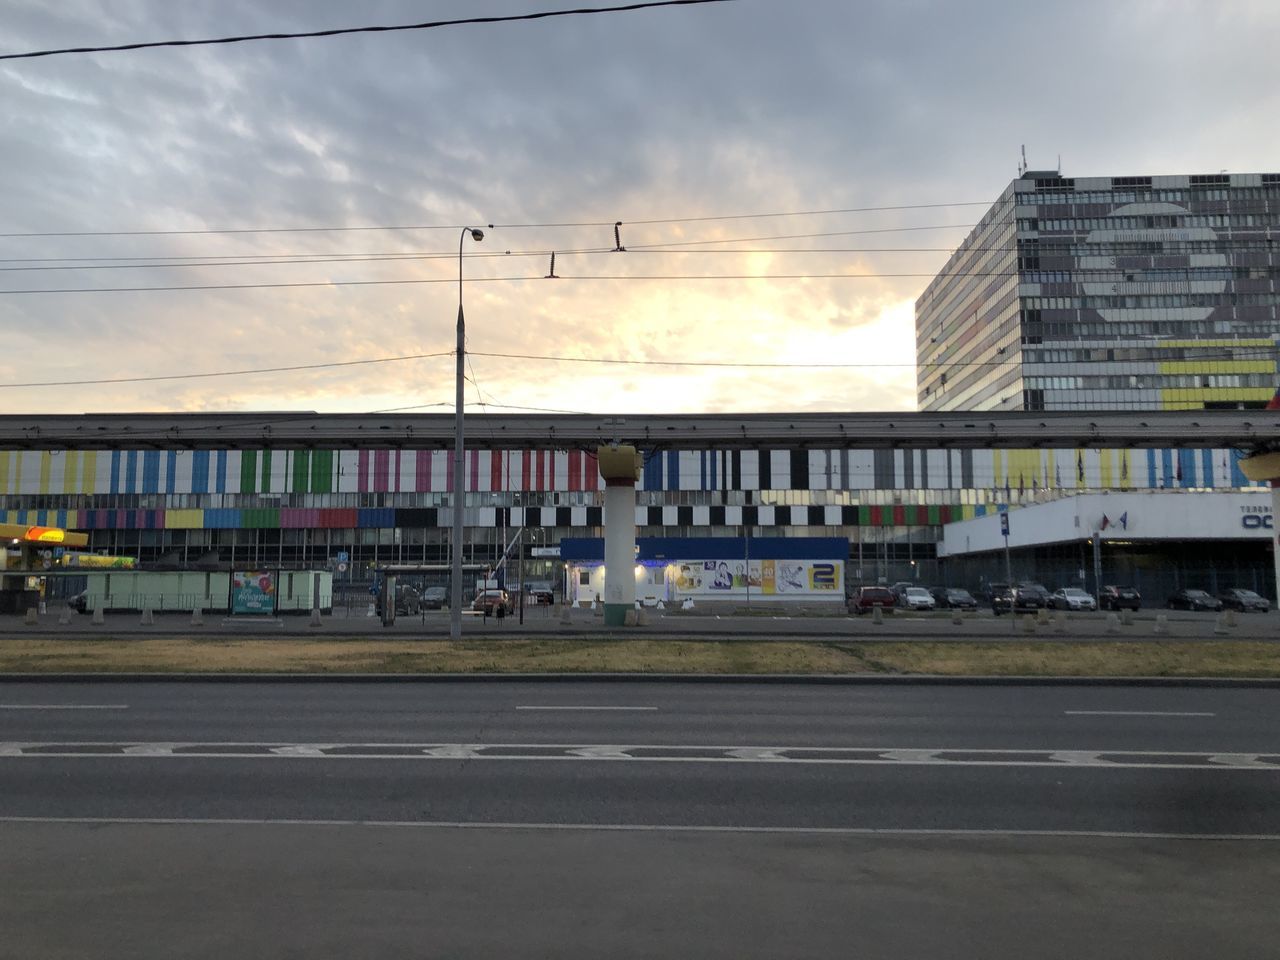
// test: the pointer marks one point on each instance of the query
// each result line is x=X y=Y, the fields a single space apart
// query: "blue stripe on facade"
x=702 y=470
x=221 y=518
x=652 y=479
x=200 y=471
x=713 y=456
x=673 y=469
x=1166 y=468
x=151 y=471
x=1206 y=473
x=131 y=471
x=1151 y=469
x=1238 y=479
x=376 y=517
x=222 y=472
x=1187 y=464
x=171 y=474
x=115 y=471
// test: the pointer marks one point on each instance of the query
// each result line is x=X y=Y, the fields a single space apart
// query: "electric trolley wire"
x=310 y=34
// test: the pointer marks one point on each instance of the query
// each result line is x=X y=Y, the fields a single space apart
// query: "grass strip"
x=952 y=658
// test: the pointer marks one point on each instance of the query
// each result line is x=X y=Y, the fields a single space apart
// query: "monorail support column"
x=1266 y=466
x=620 y=469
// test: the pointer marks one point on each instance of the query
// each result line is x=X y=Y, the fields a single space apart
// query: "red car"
x=866 y=599
x=493 y=603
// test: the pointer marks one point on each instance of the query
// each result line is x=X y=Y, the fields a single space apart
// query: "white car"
x=1072 y=598
x=917 y=598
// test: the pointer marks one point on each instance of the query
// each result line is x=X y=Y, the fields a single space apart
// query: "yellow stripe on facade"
x=70 y=464
x=184 y=519
x=1189 y=399
x=89 y=475
x=1205 y=367
x=1248 y=342
x=46 y=467
x=1106 y=460
x=4 y=471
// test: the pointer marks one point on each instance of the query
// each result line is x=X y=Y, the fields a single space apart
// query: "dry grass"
x=408 y=656
x=1126 y=659
x=955 y=658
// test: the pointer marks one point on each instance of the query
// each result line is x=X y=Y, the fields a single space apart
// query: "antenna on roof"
x=1059 y=164
x=1022 y=165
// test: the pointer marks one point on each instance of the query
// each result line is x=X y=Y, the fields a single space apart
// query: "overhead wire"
x=340 y=31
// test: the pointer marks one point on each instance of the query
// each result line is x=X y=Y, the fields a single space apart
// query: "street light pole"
x=459 y=448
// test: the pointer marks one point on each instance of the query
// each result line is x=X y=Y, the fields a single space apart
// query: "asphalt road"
x=589 y=819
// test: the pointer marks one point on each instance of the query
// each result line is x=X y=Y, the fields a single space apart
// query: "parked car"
x=537 y=591
x=866 y=599
x=1237 y=598
x=899 y=590
x=493 y=603
x=1193 y=600
x=1119 y=598
x=954 y=598
x=1072 y=598
x=1033 y=595
x=917 y=598
x=434 y=598
x=1005 y=598
x=406 y=600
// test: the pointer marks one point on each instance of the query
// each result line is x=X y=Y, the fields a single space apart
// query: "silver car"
x=1072 y=598
x=918 y=598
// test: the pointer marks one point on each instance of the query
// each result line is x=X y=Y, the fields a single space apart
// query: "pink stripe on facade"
x=422 y=479
x=362 y=471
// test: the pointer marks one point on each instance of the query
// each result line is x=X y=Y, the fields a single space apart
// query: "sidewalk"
x=544 y=622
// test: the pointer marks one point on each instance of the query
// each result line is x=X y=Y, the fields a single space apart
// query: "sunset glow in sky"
x=552 y=131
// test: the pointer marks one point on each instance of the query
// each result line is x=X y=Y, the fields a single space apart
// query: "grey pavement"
x=580 y=819
x=187 y=891
x=703 y=622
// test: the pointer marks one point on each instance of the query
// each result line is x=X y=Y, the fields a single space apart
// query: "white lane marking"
x=1246 y=760
x=1137 y=713
x=583 y=708
x=646 y=828
x=64 y=706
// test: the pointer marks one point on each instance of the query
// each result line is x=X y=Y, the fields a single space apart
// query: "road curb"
x=858 y=679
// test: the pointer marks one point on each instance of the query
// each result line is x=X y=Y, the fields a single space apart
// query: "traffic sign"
x=342 y=556
x=1004 y=524
x=342 y=568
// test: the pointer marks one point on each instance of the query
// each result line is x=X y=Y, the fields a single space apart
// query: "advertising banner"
x=253 y=591
x=711 y=578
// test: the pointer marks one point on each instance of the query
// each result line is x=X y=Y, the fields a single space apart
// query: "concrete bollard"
x=197 y=617
x=64 y=617
x=1027 y=624
x=629 y=618
x=1230 y=618
x=566 y=615
x=1220 y=626
x=148 y=618
x=1113 y=623
x=597 y=609
x=877 y=616
x=1162 y=624
x=98 y=618
x=1126 y=617
x=642 y=618
x=1042 y=616
x=32 y=618
x=1059 y=623
x=315 y=617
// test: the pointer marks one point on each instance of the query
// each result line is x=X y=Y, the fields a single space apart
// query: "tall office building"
x=1109 y=293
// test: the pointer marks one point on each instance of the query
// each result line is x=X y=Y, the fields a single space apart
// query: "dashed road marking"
x=1137 y=713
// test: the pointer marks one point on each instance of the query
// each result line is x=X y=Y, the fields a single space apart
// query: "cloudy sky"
x=699 y=120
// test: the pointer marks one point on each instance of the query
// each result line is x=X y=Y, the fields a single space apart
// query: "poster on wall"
x=253 y=591
x=710 y=578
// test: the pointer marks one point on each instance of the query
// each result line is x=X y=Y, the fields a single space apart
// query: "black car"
x=1005 y=598
x=954 y=598
x=1193 y=600
x=1237 y=598
x=1033 y=596
x=1119 y=598
x=434 y=598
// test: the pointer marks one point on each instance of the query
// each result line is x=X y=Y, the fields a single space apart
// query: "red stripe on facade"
x=472 y=480
x=899 y=516
x=591 y=472
x=495 y=470
x=525 y=458
x=575 y=470
x=422 y=477
x=381 y=469
x=542 y=470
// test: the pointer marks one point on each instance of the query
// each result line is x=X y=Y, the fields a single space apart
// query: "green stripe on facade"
x=301 y=471
x=266 y=471
x=322 y=471
x=248 y=468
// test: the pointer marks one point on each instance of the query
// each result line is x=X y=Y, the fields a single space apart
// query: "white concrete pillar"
x=619 y=468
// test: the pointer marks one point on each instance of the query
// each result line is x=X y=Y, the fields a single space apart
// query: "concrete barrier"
x=1126 y=617
x=148 y=618
x=65 y=616
x=1162 y=624
x=1026 y=624
x=1229 y=617
x=566 y=614
x=1113 y=623
x=98 y=618
x=32 y=617
x=629 y=618
x=1042 y=615
x=1059 y=623
x=315 y=617
x=197 y=617
x=877 y=616
x=1220 y=626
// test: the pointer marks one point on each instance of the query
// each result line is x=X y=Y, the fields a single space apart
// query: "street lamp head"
x=477 y=235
